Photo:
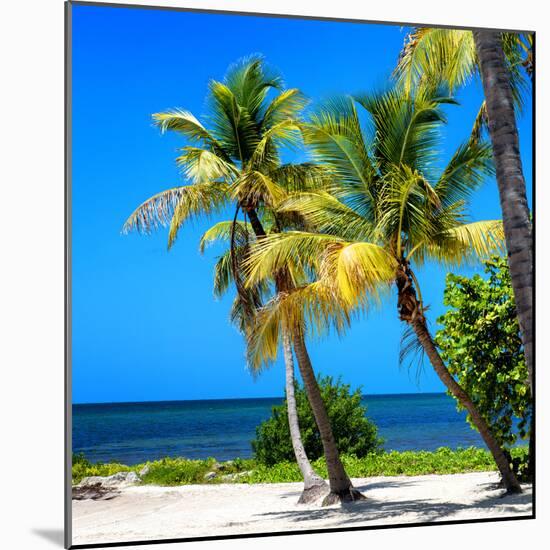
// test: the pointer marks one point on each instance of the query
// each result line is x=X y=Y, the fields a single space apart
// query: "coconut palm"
x=454 y=56
x=235 y=160
x=390 y=211
x=241 y=236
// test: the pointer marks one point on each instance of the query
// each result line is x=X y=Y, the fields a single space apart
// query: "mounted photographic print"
x=299 y=274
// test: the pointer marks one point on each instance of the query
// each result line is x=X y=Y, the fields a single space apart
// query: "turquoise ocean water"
x=135 y=432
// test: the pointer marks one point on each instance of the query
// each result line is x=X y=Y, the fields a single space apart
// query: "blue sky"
x=145 y=323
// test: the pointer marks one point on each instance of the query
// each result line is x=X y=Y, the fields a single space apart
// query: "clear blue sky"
x=145 y=323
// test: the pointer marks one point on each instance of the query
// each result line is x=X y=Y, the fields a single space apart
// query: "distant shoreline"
x=218 y=399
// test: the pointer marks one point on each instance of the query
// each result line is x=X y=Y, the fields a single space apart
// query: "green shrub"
x=481 y=344
x=177 y=471
x=354 y=433
x=82 y=468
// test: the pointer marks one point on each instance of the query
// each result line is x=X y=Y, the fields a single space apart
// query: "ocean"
x=136 y=432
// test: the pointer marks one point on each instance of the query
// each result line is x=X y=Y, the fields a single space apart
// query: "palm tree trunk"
x=410 y=311
x=255 y=222
x=341 y=488
x=510 y=180
x=314 y=485
x=508 y=477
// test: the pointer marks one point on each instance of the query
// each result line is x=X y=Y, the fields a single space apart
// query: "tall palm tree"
x=390 y=209
x=454 y=56
x=236 y=161
x=240 y=236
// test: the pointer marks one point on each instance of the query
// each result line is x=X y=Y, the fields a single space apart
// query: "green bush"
x=354 y=433
x=481 y=344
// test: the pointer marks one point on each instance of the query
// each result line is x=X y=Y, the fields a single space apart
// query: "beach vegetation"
x=82 y=467
x=181 y=471
x=480 y=342
x=355 y=434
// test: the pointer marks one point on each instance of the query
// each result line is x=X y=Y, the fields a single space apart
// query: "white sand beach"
x=149 y=512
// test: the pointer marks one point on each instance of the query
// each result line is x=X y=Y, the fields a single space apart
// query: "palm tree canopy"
x=234 y=154
x=448 y=56
x=389 y=202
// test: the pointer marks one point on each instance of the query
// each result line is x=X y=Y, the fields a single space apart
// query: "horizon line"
x=239 y=398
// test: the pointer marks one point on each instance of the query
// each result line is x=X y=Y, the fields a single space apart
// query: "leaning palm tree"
x=390 y=210
x=454 y=56
x=236 y=161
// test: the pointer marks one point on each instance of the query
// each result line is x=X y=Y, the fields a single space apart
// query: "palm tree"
x=236 y=160
x=389 y=210
x=453 y=56
x=241 y=237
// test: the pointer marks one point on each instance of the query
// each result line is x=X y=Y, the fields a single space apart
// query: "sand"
x=149 y=512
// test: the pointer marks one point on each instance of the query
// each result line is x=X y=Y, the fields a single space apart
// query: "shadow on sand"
x=374 y=510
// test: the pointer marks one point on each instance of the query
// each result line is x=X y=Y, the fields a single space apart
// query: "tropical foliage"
x=237 y=160
x=322 y=241
x=388 y=209
x=481 y=345
x=182 y=471
x=504 y=62
x=449 y=57
x=354 y=432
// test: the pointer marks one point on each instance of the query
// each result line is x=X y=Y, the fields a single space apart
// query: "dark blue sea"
x=136 y=432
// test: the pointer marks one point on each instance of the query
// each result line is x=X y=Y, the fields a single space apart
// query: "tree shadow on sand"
x=374 y=510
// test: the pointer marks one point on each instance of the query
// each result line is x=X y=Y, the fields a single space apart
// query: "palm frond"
x=514 y=55
x=279 y=250
x=445 y=55
x=199 y=164
x=468 y=168
x=482 y=238
x=362 y=271
x=337 y=139
x=254 y=187
x=449 y=56
x=187 y=200
x=406 y=128
x=324 y=213
x=221 y=231
x=288 y=105
x=249 y=80
x=200 y=199
x=411 y=351
x=233 y=126
x=284 y=133
x=313 y=305
x=358 y=267
x=223 y=273
x=263 y=338
x=186 y=123
x=481 y=123
x=463 y=243
x=305 y=176
x=155 y=212
x=407 y=202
